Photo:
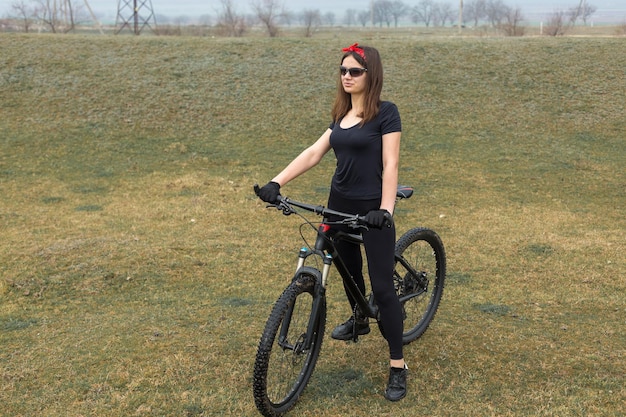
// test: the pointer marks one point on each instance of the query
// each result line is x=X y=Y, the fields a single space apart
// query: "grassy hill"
x=137 y=268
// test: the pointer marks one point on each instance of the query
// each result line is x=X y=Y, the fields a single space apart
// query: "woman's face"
x=353 y=84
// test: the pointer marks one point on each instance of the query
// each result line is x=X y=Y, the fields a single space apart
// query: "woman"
x=365 y=136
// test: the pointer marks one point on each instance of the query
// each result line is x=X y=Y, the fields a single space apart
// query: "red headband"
x=355 y=48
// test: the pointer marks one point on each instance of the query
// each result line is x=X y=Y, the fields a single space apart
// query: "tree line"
x=387 y=13
x=60 y=16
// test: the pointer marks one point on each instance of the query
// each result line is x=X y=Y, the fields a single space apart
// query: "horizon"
x=608 y=11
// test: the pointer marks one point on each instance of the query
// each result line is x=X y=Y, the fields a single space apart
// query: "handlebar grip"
x=388 y=219
x=256 y=189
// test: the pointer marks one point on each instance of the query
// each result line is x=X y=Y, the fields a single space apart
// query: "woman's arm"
x=310 y=157
x=391 y=158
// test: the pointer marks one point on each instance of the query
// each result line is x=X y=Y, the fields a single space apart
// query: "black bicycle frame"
x=326 y=249
x=325 y=244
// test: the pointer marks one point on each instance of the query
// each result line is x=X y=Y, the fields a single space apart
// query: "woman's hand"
x=269 y=192
x=379 y=218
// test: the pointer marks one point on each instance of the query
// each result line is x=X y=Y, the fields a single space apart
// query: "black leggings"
x=379 y=248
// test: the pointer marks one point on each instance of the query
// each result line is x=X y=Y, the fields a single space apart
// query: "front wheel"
x=419 y=277
x=290 y=344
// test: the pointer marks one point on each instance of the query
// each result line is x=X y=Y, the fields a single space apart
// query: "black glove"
x=378 y=218
x=269 y=192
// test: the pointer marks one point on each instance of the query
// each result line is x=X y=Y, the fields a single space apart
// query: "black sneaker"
x=396 y=388
x=345 y=331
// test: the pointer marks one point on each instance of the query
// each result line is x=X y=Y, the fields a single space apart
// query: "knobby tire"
x=282 y=372
x=420 y=289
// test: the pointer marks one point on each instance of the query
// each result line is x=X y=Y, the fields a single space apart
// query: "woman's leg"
x=379 y=248
x=350 y=254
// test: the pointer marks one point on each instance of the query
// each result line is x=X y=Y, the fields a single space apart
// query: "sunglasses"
x=354 y=72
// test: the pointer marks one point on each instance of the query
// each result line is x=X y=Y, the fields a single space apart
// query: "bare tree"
x=436 y=21
x=513 y=21
x=268 y=12
x=446 y=13
x=424 y=12
x=350 y=17
x=556 y=24
x=397 y=9
x=364 y=17
x=587 y=12
x=560 y=22
x=475 y=11
x=24 y=14
x=59 y=16
x=583 y=12
x=311 y=20
x=329 y=19
x=229 y=22
x=497 y=12
x=382 y=12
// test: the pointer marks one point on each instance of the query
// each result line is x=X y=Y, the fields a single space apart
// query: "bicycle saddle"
x=404 y=191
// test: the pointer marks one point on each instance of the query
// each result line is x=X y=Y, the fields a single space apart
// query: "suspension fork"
x=319 y=297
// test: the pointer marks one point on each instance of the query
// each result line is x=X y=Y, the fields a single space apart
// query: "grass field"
x=137 y=268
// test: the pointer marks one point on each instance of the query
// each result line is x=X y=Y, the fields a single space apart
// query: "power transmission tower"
x=93 y=16
x=63 y=14
x=135 y=15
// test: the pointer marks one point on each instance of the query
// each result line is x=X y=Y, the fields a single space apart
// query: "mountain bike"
x=292 y=339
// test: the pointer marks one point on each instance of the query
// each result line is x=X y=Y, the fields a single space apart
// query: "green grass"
x=137 y=268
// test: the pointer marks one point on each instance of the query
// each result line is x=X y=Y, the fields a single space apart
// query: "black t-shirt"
x=359 y=150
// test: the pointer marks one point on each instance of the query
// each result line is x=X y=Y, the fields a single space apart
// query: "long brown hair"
x=373 y=88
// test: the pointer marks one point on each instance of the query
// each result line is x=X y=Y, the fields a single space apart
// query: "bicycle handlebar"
x=285 y=204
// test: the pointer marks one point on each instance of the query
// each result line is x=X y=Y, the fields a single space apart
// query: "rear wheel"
x=284 y=363
x=419 y=277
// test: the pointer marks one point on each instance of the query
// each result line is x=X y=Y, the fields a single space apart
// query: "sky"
x=194 y=8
